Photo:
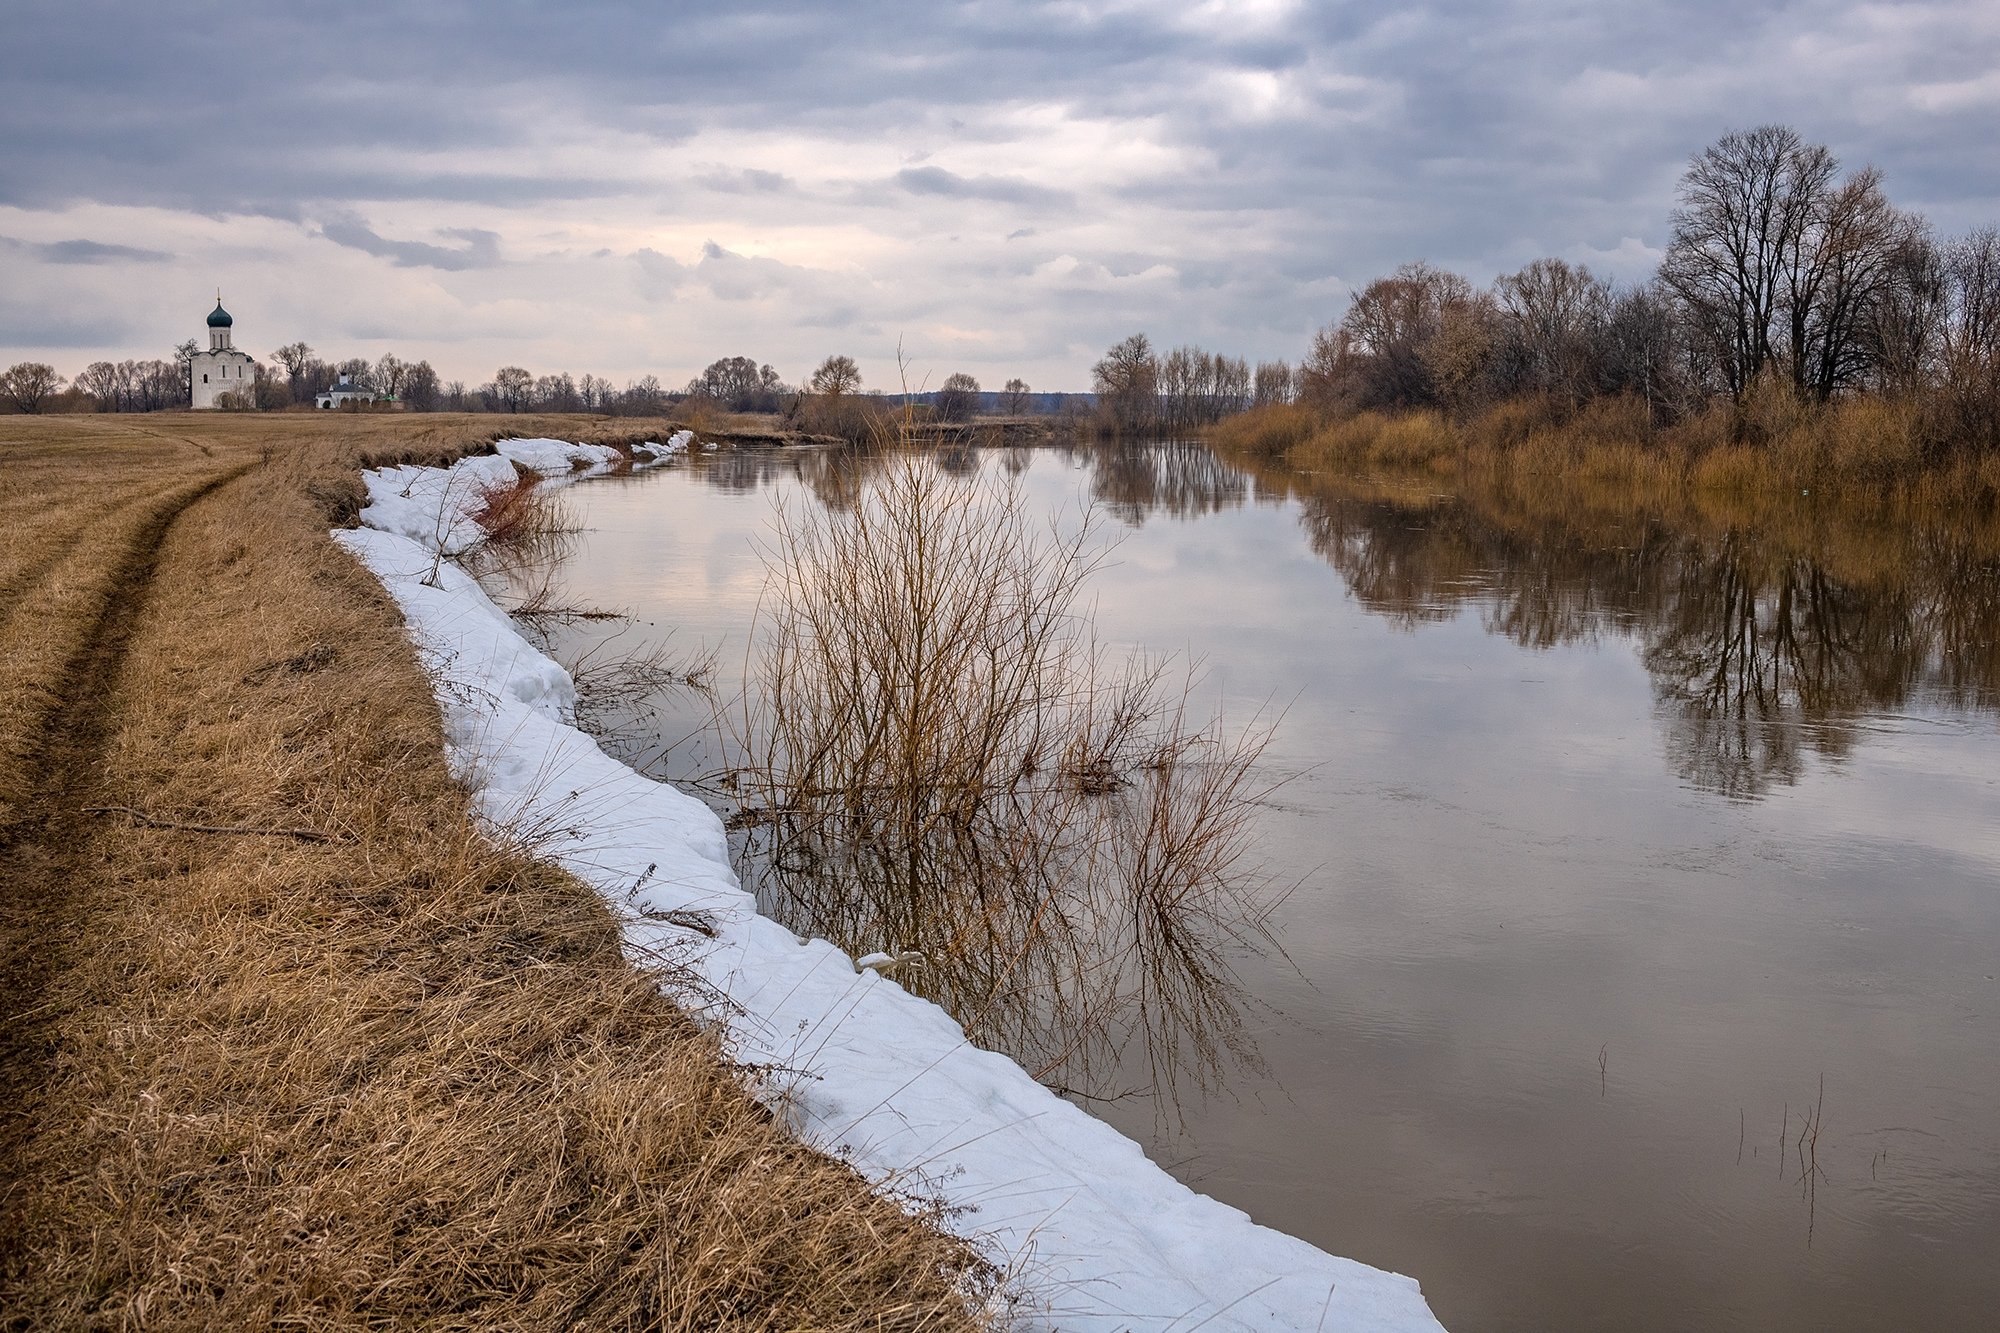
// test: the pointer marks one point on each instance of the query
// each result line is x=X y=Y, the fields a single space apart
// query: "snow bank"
x=1098 y=1235
x=677 y=443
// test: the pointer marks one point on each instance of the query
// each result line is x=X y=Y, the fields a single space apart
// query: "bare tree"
x=739 y=384
x=1842 y=270
x=1972 y=274
x=1747 y=204
x=29 y=384
x=1970 y=340
x=420 y=387
x=645 y=397
x=296 y=358
x=1014 y=397
x=1555 y=316
x=512 y=386
x=958 y=400
x=1645 y=352
x=184 y=354
x=390 y=374
x=836 y=375
x=1273 y=383
x=556 y=393
x=1376 y=358
x=1127 y=381
x=1905 y=329
x=100 y=379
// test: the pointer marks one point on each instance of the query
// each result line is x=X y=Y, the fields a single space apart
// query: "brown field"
x=295 y=1043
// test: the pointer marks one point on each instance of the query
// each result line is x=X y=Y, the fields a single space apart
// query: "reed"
x=1772 y=442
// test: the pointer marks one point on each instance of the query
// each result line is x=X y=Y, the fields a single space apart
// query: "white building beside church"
x=221 y=369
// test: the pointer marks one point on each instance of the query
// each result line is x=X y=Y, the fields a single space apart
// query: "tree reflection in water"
x=1768 y=638
x=1760 y=652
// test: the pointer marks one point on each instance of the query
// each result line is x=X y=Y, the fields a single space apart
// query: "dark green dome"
x=218 y=318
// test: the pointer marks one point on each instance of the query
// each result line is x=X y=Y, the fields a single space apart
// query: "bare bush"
x=940 y=759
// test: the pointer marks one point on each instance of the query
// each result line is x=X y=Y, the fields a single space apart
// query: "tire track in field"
x=47 y=851
x=17 y=584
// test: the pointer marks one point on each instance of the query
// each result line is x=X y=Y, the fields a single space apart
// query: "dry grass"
x=401 y=1077
x=1865 y=447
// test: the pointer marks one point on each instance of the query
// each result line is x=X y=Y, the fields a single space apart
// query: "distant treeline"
x=1782 y=279
x=295 y=376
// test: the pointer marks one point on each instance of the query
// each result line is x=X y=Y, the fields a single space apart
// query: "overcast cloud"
x=633 y=188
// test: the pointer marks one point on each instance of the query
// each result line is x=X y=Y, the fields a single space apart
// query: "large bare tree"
x=1127 y=381
x=1781 y=264
x=28 y=385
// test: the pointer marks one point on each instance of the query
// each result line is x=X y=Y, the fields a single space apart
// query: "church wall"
x=217 y=373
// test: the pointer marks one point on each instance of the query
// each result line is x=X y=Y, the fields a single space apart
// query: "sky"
x=1001 y=189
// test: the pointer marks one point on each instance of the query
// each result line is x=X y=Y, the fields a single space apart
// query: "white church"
x=221 y=369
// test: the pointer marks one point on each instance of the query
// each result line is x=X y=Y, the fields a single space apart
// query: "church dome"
x=218 y=318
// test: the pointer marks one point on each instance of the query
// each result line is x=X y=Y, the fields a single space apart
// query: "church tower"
x=221 y=369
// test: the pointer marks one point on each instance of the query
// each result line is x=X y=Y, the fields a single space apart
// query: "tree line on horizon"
x=295 y=376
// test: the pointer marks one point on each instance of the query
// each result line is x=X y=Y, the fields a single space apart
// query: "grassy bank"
x=288 y=1039
x=1870 y=448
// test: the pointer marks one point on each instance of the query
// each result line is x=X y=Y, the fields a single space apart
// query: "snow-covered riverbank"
x=1092 y=1231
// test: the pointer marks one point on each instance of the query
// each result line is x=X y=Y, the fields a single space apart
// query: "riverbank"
x=289 y=1039
x=1099 y=1237
x=1865 y=448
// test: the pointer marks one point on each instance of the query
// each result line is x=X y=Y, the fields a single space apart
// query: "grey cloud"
x=659 y=276
x=47 y=326
x=749 y=180
x=841 y=317
x=85 y=252
x=723 y=273
x=476 y=248
x=734 y=277
x=1000 y=189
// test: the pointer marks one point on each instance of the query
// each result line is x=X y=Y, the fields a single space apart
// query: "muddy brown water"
x=1639 y=964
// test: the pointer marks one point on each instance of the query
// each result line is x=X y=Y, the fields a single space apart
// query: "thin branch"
x=154 y=821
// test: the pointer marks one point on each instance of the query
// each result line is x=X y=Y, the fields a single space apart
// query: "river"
x=1637 y=877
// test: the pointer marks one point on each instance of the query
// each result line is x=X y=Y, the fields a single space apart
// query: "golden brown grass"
x=1869 y=449
x=403 y=1076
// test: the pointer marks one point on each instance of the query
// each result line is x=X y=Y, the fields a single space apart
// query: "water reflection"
x=1760 y=651
x=1551 y=1011
x=1765 y=647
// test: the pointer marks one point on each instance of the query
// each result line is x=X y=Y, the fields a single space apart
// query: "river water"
x=1637 y=968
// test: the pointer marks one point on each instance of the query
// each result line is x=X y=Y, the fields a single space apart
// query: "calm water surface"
x=1620 y=859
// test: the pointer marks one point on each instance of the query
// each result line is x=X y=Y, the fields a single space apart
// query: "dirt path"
x=48 y=851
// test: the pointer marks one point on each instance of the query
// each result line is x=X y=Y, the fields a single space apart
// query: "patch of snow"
x=554 y=457
x=1097 y=1234
x=677 y=443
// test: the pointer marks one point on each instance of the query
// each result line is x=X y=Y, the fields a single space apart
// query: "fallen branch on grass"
x=154 y=821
